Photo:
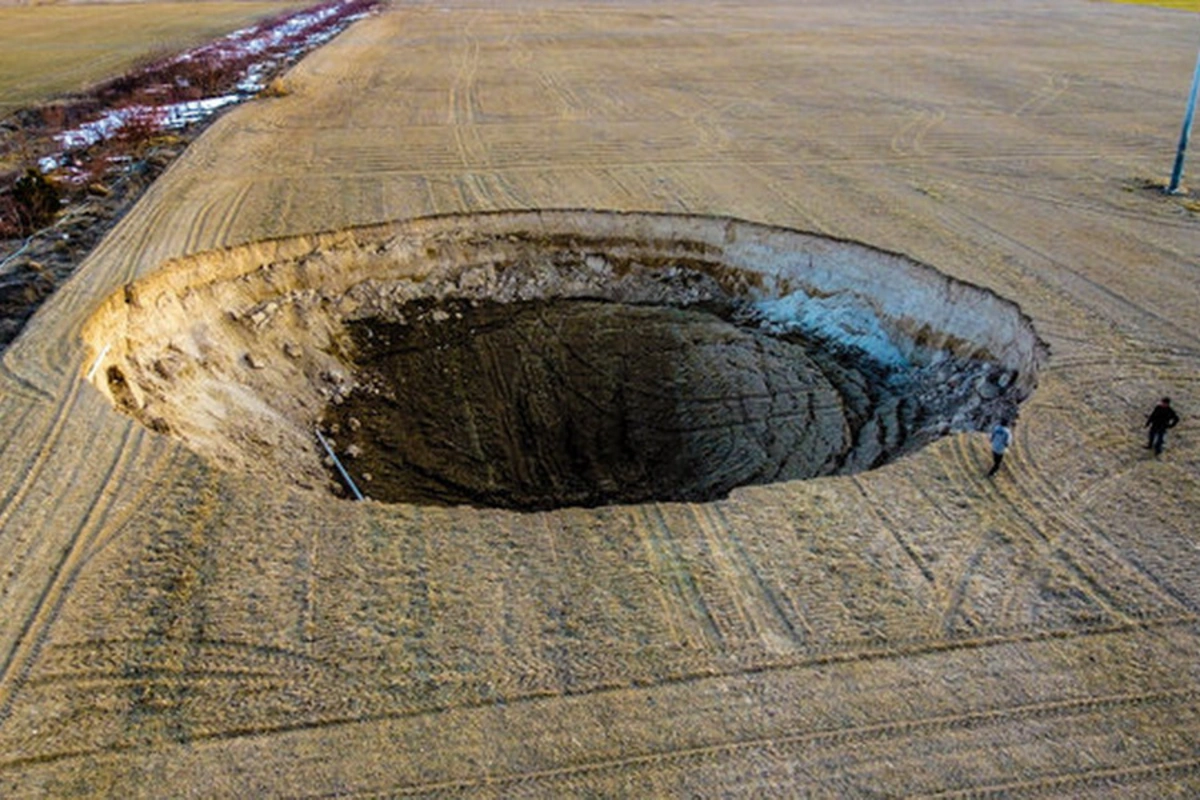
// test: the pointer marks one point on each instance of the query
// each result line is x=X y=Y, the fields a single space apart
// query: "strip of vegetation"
x=85 y=159
x=1181 y=5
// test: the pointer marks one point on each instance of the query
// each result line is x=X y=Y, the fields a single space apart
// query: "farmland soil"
x=185 y=610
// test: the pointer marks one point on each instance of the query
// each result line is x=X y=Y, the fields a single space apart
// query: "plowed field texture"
x=593 y=400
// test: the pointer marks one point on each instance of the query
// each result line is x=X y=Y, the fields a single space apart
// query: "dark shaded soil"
x=36 y=266
x=557 y=403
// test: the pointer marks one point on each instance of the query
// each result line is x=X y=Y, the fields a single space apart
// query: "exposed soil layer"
x=536 y=360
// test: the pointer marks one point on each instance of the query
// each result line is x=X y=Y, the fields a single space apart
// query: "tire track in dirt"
x=1103 y=211
x=518 y=53
x=106 y=660
x=67 y=397
x=146 y=494
x=595 y=157
x=225 y=209
x=757 y=617
x=169 y=673
x=1082 y=551
x=37 y=448
x=79 y=296
x=1053 y=86
x=570 y=106
x=1073 y=275
x=955 y=605
x=988 y=542
x=1032 y=536
x=948 y=591
x=787 y=616
x=402 y=710
x=1085 y=545
x=1053 y=283
x=168 y=589
x=691 y=621
x=160 y=686
x=134 y=244
x=462 y=100
x=909 y=140
x=1122 y=362
x=876 y=509
x=546 y=669
x=1073 y=783
x=57 y=419
x=18 y=386
x=12 y=447
x=475 y=191
x=70 y=479
x=33 y=631
x=787 y=745
x=45 y=604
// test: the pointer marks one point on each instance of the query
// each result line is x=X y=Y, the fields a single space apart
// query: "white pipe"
x=95 y=366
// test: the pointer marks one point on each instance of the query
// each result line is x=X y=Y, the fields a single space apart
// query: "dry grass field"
x=49 y=50
x=1183 y=5
x=175 y=626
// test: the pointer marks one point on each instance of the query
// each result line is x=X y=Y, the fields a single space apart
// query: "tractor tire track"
x=785 y=746
x=33 y=631
x=830 y=656
x=1081 y=543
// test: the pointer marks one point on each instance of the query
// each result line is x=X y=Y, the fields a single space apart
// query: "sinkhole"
x=543 y=359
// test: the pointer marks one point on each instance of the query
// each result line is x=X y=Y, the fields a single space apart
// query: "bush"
x=141 y=124
x=30 y=203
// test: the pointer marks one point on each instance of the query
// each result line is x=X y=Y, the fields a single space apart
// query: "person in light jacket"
x=1002 y=437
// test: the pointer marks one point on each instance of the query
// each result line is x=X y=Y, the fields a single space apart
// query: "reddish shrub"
x=11 y=223
x=28 y=203
x=142 y=123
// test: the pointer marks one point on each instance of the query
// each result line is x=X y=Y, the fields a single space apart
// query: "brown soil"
x=581 y=403
x=180 y=616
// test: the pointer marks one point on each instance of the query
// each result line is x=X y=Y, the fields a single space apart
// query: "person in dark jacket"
x=1160 y=419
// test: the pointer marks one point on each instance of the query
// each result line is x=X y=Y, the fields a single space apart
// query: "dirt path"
x=913 y=631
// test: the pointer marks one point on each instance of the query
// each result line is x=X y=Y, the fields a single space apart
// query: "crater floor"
x=545 y=405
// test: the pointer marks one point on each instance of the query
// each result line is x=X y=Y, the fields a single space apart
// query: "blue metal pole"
x=341 y=470
x=1177 y=172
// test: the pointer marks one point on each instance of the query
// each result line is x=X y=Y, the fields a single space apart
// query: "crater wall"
x=243 y=353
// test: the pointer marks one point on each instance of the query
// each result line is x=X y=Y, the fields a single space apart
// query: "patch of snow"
x=240 y=45
x=172 y=116
x=842 y=319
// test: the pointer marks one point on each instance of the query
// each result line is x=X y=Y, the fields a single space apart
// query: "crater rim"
x=237 y=352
